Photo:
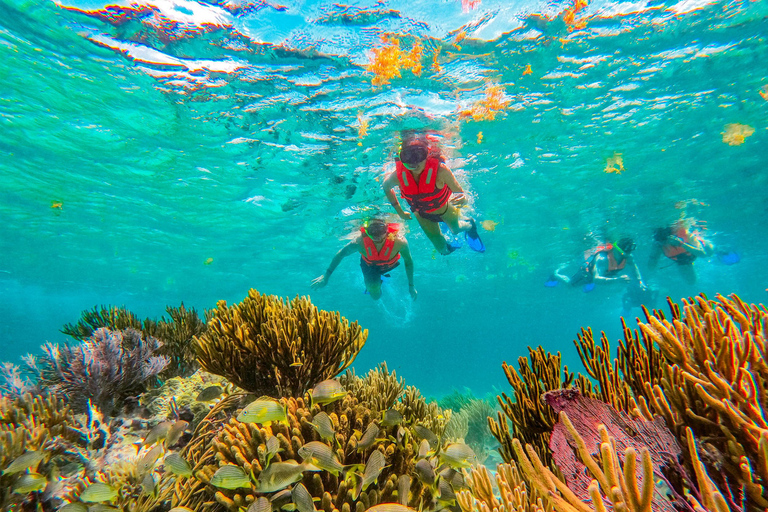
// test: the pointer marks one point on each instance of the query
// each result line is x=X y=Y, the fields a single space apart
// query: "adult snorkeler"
x=681 y=243
x=380 y=246
x=427 y=184
x=605 y=263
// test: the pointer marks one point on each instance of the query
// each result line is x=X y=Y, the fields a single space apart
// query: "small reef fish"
x=98 y=492
x=209 y=393
x=30 y=482
x=230 y=477
x=327 y=392
x=75 y=507
x=273 y=446
x=403 y=489
x=424 y=449
x=303 y=500
x=175 y=433
x=101 y=507
x=369 y=437
x=391 y=418
x=425 y=472
x=489 y=225
x=26 y=460
x=177 y=465
x=390 y=507
x=149 y=485
x=147 y=462
x=373 y=468
x=324 y=426
x=280 y=475
x=425 y=434
x=458 y=455
x=453 y=477
x=322 y=456
x=445 y=494
x=157 y=433
x=180 y=509
x=281 y=499
x=263 y=411
x=261 y=504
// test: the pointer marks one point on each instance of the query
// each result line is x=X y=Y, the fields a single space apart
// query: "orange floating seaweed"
x=208 y=261
x=487 y=108
x=435 y=63
x=764 y=92
x=736 y=133
x=57 y=205
x=569 y=16
x=615 y=163
x=489 y=225
x=468 y=5
x=387 y=61
x=527 y=70
x=362 y=128
x=479 y=137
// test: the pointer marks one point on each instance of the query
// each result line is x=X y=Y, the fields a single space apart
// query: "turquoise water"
x=190 y=151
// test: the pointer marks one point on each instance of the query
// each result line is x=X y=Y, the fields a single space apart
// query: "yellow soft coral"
x=736 y=133
x=388 y=60
x=487 y=108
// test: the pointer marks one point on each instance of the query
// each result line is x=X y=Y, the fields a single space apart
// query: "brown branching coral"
x=532 y=420
x=378 y=390
x=416 y=410
x=175 y=333
x=513 y=492
x=715 y=381
x=269 y=346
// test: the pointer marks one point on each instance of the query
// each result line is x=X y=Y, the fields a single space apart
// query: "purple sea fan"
x=586 y=414
x=105 y=369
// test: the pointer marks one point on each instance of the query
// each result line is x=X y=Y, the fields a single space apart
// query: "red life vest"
x=422 y=197
x=606 y=249
x=381 y=257
x=679 y=253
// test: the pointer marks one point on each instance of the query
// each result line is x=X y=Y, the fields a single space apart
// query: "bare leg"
x=453 y=218
x=688 y=273
x=432 y=230
x=374 y=288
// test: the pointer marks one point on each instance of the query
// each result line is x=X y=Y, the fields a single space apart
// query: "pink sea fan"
x=587 y=414
x=107 y=368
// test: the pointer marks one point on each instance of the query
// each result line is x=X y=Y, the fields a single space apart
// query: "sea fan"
x=105 y=369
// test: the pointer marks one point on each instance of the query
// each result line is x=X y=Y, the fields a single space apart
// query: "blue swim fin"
x=588 y=287
x=551 y=282
x=473 y=239
x=451 y=240
x=728 y=258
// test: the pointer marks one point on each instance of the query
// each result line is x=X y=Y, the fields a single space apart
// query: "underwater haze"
x=160 y=151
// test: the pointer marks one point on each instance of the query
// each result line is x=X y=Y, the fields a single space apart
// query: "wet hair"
x=627 y=245
x=376 y=227
x=661 y=234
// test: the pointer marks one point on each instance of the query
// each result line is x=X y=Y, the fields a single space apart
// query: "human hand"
x=319 y=282
x=413 y=292
x=674 y=241
x=404 y=215
x=459 y=199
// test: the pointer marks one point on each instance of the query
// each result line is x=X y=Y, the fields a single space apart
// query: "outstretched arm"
x=390 y=182
x=408 y=262
x=345 y=251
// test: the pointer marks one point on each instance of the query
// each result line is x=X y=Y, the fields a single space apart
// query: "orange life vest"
x=422 y=197
x=381 y=257
x=606 y=249
x=679 y=253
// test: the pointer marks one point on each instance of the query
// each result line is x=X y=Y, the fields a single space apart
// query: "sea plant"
x=104 y=370
x=272 y=346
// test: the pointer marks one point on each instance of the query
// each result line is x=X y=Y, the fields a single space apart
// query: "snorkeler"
x=427 y=184
x=605 y=263
x=682 y=244
x=380 y=246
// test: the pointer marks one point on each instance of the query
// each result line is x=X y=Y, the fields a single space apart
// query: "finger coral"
x=378 y=390
x=269 y=346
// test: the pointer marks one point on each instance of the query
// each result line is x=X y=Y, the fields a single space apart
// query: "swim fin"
x=728 y=258
x=451 y=240
x=473 y=239
x=588 y=287
x=551 y=282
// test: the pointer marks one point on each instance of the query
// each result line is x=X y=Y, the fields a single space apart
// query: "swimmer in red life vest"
x=681 y=243
x=380 y=246
x=605 y=263
x=427 y=185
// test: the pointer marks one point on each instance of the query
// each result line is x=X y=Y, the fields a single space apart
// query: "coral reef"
x=269 y=346
x=175 y=333
x=104 y=370
x=379 y=390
